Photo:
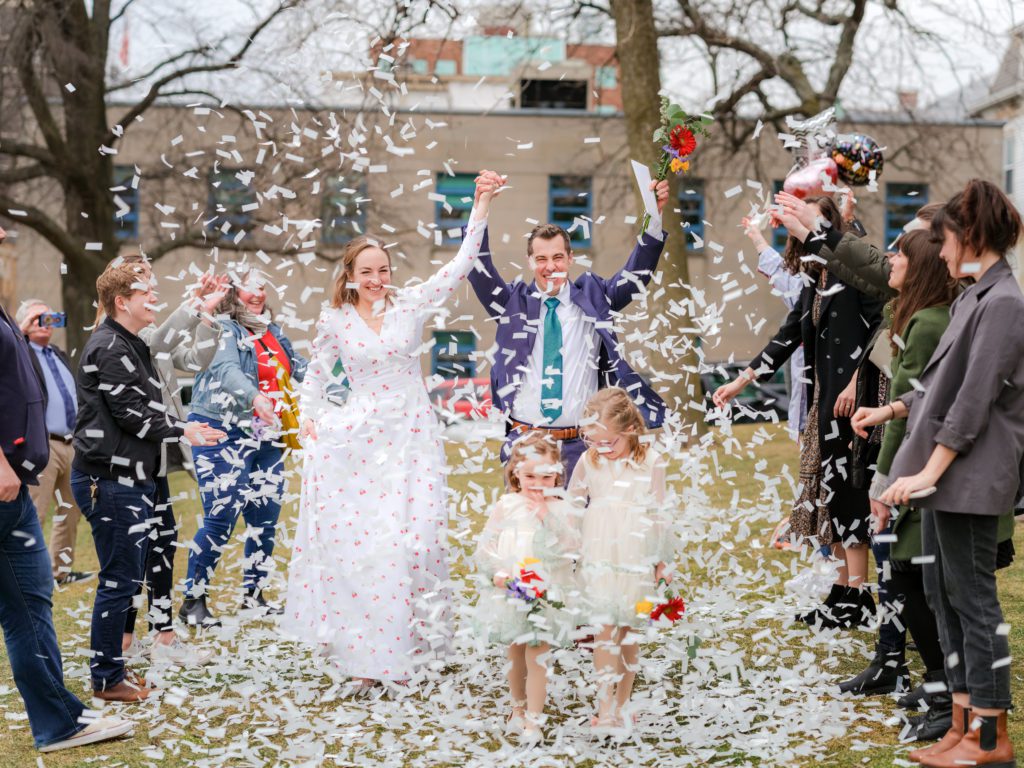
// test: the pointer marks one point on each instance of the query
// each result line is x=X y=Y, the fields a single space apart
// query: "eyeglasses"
x=601 y=445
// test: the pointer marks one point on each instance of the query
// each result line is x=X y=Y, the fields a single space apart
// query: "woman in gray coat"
x=960 y=460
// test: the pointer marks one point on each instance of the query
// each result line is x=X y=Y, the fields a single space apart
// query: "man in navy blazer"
x=556 y=344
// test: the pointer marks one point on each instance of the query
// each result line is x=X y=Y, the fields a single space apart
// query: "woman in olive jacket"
x=960 y=462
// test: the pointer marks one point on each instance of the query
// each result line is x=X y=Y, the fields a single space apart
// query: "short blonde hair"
x=613 y=409
x=530 y=447
x=342 y=293
x=120 y=281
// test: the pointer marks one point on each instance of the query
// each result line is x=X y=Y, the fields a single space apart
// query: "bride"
x=368 y=576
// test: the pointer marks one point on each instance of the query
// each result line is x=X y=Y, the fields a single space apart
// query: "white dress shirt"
x=580 y=346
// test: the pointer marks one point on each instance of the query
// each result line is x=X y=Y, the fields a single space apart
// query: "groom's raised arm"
x=491 y=289
x=641 y=262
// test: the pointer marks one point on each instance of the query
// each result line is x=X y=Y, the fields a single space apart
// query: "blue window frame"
x=691 y=211
x=341 y=210
x=231 y=202
x=126 y=222
x=901 y=204
x=452 y=354
x=779 y=234
x=569 y=198
x=451 y=214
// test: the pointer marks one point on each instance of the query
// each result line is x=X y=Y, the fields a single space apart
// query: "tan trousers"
x=55 y=485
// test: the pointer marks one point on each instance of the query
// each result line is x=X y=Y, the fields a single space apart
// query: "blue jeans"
x=26 y=614
x=238 y=476
x=892 y=641
x=120 y=517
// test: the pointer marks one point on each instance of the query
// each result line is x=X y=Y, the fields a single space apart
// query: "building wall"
x=734 y=304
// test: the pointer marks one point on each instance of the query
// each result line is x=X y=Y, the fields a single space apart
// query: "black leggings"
x=906 y=586
x=159 y=564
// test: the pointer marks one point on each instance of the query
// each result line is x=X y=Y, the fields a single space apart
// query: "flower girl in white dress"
x=626 y=541
x=525 y=557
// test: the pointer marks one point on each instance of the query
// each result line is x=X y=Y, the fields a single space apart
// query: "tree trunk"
x=637 y=51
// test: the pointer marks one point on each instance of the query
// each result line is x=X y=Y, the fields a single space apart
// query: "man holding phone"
x=57 y=380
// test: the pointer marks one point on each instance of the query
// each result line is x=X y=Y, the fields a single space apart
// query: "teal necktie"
x=551 y=388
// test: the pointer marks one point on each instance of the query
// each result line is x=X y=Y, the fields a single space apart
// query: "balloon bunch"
x=822 y=158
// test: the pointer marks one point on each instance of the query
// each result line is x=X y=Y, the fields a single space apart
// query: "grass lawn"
x=757 y=692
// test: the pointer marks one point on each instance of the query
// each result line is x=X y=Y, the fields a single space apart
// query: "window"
x=553 y=94
x=126 y=202
x=901 y=204
x=451 y=214
x=779 y=234
x=445 y=67
x=452 y=355
x=691 y=211
x=1008 y=160
x=343 y=218
x=606 y=77
x=232 y=201
x=419 y=66
x=568 y=203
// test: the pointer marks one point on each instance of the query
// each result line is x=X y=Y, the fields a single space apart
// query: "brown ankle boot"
x=961 y=719
x=986 y=743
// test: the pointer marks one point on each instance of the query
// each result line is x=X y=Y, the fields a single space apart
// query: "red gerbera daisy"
x=682 y=140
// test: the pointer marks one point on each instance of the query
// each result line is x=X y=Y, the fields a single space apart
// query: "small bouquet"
x=677 y=136
x=530 y=587
x=670 y=607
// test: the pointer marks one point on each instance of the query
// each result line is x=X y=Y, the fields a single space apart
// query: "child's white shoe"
x=515 y=725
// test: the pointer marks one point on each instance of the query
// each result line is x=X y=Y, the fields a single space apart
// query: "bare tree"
x=58 y=138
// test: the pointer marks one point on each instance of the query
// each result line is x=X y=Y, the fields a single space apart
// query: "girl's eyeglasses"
x=601 y=445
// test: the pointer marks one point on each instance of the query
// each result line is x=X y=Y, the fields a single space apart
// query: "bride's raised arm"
x=436 y=289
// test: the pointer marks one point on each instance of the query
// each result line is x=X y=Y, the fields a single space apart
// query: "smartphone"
x=53 y=320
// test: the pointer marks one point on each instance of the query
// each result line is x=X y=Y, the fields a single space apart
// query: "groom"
x=555 y=338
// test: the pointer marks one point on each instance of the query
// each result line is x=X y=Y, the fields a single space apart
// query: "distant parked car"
x=458 y=399
x=757 y=401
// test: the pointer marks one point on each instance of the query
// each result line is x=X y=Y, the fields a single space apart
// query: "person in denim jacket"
x=244 y=475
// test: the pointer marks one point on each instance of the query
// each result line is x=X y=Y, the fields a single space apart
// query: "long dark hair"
x=795 y=249
x=927 y=282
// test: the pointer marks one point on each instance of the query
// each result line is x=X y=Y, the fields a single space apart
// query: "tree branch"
x=117 y=16
x=25 y=173
x=36 y=99
x=17 y=149
x=232 y=62
x=43 y=224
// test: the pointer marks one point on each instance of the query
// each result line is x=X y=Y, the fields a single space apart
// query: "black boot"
x=855 y=607
x=881 y=676
x=937 y=720
x=195 y=613
x=825 y=609
x=255 y=601
x=919 y=695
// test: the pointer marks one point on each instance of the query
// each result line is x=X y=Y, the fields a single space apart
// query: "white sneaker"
x=179 y=654
x=137 y=651
x=100 y=729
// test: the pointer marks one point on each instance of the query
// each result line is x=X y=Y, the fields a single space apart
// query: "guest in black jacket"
x=121 y=426
x=835 y=323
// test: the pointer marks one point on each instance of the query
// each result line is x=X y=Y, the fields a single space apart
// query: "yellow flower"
x=528 y=561
x=644 y=607
x=677 y=165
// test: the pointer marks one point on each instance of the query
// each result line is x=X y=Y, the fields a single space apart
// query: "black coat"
x=848 y=321
x=121 y=417
x=23 y=437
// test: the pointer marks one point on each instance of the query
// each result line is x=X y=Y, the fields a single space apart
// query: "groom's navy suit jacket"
x=516 y=306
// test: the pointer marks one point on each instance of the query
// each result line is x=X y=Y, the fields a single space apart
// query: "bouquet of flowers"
x=671 y=607
x=530 y=587
x=677 y=136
